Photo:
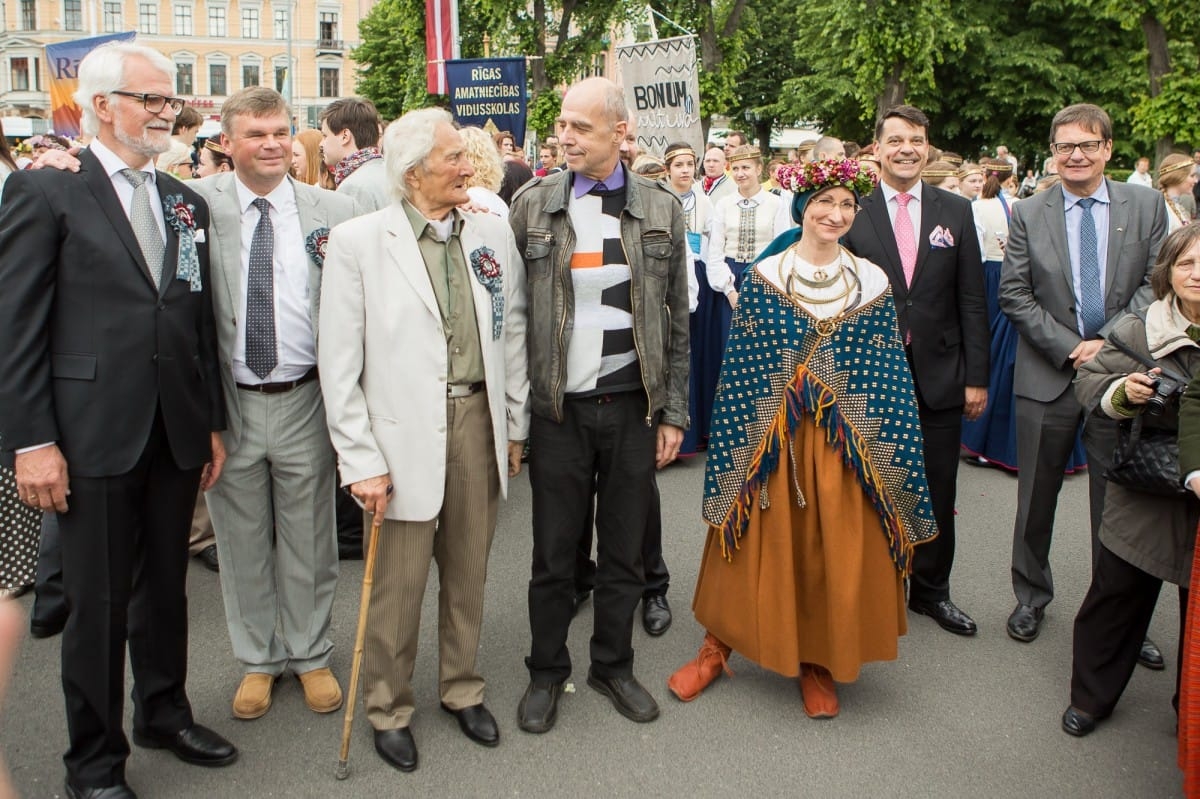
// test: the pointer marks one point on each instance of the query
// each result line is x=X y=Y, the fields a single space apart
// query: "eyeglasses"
x=1067 y=148
x=848 y=207
x=155 y=103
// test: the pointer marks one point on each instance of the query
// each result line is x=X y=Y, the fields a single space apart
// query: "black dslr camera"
x=1164 y=389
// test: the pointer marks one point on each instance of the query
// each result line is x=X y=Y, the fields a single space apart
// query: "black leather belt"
x=279 y=388
x=456 y=390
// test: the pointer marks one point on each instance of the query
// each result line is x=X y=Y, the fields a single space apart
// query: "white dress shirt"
x=294 y=336
x=113 y=165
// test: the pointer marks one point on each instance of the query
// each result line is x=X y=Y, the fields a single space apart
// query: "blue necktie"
x=1091 y=293
x=261 y=352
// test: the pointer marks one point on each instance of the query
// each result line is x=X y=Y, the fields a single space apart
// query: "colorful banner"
x=662 y=92
x=441 y=42
x=63 y=60
x=489 y=93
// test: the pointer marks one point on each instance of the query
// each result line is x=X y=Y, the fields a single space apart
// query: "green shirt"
x=448 y=273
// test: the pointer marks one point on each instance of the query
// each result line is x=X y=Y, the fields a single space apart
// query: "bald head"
x=828 y=147
x=592 y=127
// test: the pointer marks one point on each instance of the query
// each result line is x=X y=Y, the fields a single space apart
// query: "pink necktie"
x=906 y=239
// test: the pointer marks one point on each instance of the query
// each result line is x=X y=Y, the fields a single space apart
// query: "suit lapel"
x=1118 y=223
x=875 y=207
x=483 y=300
x=100 y=185
x=931 y=210
x=1056 y=223
x=312 y=217
x=406 y=255
x=171 y=253
x=225 y=223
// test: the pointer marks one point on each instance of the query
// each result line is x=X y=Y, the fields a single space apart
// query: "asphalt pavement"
x=953 y=717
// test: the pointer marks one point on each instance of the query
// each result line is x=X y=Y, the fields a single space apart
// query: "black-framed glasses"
x=155 y=103
x=1067 y=147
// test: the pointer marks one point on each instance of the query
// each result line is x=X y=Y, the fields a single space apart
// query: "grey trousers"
x=272 y=512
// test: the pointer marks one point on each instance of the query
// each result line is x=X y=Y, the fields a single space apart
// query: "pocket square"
x=940 y=238
x=198 y=236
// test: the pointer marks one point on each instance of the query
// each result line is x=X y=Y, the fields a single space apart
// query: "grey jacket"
x=653 y=235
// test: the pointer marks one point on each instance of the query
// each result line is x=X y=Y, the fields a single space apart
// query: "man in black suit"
x=111 y=402
x=924 y=238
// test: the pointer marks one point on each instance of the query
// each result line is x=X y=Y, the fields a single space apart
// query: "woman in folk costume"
x=1176 y=177
x=814 y=486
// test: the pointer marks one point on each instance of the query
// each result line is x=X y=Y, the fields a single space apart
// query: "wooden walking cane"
x=343 y=769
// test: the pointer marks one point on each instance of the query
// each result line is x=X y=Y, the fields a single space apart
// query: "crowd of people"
x=211 y=357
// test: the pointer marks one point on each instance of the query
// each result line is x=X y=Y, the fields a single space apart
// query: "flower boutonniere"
x=315 y=244
x=487 y=272
x=181 y=217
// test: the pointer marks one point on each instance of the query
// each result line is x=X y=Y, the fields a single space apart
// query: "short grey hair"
x=407 y=142
x=102 y=72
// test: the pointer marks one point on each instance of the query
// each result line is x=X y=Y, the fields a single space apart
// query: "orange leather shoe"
x=694 y=676
x=819 y=692
x=322 y=693
x=253 y=697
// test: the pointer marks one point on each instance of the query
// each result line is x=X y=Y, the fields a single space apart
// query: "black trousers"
x=933 y=561
x=1109 y=630
x=658 y=578
x=602 y=442
x=49 y=603
x=124 y=562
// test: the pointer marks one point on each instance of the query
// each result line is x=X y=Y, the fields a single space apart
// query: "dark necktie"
x=1091 y=293
x=261 y=354
x=145 y=226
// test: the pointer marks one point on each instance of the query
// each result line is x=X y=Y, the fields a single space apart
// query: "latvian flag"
x=441 y=42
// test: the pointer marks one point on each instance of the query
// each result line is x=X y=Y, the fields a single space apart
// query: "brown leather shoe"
x=322 y=693
x=694 y=676
x=253 y=697
x=819 y=692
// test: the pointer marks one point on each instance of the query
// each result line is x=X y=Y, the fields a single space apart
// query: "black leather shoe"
x=539 y=706
x=1150 y=656
x=627 y=695
x=197 y=745
x=656 y=614
x=208 y=556
x=1077 y=723
x=118 y=791
x=397 y=747
x=1025 y=622
x=477 y=723
x=47 y=628
x=946 y=614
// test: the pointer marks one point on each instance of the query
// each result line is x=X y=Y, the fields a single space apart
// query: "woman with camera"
x=1148 y=528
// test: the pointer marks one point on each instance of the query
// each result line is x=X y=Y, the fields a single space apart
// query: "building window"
x=281 y=23
x=250 y=75
x=29 y=15
x=20 y=74
x=216 y=21
x=147 y=18
x=329 y=82
x=216 y=80
x=280 y=78
x=249 y=23
x=184 y=84
x=328 y=29
x=112 y=17
x=183 y=20
x=73 y=15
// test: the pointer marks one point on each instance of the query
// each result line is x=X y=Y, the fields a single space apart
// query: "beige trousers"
x=459 y=540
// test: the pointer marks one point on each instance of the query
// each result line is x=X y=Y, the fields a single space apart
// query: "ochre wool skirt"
x=806 y=585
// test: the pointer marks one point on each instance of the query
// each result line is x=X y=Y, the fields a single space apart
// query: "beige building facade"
x=219 y=47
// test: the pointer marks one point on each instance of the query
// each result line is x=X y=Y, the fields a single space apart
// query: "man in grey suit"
x=1077 y=259
x=273 y=516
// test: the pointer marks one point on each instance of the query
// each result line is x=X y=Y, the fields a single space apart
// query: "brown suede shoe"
x=253 y=697
x=322 y=693
x=694 y=676
x=819 y=692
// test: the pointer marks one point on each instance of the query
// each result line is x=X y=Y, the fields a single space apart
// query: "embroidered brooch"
x=315 y=244
x=181 y=217
x=940 y=238
x=487 y=272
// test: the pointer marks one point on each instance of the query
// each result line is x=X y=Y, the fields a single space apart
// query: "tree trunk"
x=540 y=81
x=894 y=89
x=1158 y=64
x=762 y=131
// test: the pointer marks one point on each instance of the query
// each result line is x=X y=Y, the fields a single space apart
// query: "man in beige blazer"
x=273 y=517
x=423 y=369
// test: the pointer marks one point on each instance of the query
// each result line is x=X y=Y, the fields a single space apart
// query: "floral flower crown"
x=817 y=175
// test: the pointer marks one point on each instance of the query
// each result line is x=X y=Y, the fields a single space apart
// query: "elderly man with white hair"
x=423 y=368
